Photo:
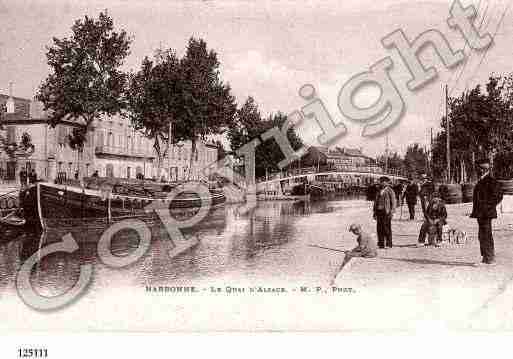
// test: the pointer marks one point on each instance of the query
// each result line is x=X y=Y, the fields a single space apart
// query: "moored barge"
x=50 y=205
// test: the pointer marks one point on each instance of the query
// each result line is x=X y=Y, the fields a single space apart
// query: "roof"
x=355 y=152
x=340 y=151
x=21 y=105
x=16 y=99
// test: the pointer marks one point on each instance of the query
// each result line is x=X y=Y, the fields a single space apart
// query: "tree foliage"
x=25 y=148
x=480 y=125
x=248 y=125
x=187 y=94
x=85 y=80
x=153 y=96
x=415 y=160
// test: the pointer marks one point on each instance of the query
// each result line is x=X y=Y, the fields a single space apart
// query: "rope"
x=8 y=193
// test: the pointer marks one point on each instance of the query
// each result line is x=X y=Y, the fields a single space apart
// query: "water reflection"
x=263 y=244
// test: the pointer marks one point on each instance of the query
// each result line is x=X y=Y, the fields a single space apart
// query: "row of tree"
x=170 y=99
x=480 y=124
x=414 y=163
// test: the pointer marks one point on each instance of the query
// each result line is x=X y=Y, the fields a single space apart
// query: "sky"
x=269 y=49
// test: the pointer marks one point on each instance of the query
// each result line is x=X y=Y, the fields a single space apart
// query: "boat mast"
x=448 y=140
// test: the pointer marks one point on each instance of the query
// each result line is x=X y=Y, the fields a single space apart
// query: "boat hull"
x=53 y=206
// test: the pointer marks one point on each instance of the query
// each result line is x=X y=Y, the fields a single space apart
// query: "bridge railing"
x=322 y=169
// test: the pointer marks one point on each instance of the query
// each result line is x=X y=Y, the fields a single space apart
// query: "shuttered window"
x=11 y=134
x=61 y=135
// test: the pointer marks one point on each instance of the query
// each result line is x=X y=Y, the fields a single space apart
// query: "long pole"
x=430 y=158
x=386 y=153
x=448 y=142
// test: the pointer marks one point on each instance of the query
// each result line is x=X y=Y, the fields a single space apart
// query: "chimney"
x=10 y=102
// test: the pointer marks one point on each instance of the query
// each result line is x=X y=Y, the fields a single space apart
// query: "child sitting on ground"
x=366 y=248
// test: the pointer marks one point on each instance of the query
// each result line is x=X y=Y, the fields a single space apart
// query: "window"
x=128 y=172
x=11 y=134
x=99 y=139
x=109 y=170
x=61 y=135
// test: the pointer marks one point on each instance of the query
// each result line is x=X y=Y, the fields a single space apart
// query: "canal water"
x=276 y=244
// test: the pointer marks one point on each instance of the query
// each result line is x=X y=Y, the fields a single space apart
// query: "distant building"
x=113 y=148
x=339 y=158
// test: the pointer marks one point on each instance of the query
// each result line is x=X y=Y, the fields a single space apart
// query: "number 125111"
x=32 y=353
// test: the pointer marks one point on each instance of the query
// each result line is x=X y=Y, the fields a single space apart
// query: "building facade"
x=339 y=158
x=113 y=148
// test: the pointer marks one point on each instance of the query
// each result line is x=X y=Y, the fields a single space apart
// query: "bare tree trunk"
x=160 y=155
x=193 y=152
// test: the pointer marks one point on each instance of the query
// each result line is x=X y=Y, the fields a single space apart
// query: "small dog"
x=453 y=235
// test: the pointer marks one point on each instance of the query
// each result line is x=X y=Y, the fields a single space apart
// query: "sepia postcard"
x=213 y=166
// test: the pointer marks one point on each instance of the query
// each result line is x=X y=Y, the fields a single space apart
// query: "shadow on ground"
x=430 y=261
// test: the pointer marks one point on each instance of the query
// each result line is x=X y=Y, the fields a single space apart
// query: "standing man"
x=426 y=191
x=410 y=194
x=487 y=195
x=32 y=176
x=398 y=190
x=384 y=207
x=23 y=177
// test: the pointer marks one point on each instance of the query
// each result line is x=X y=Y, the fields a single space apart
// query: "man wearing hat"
x=384 y=207
x=487 y=195
x=426 y=191
x=410 y=194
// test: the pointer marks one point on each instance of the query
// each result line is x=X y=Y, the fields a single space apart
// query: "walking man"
x=487 y=195
x=384 y=207
x=410 y=194
x=23 y=177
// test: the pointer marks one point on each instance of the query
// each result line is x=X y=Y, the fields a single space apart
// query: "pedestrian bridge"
x=331 y=178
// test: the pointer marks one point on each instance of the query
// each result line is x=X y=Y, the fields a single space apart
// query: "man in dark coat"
x=436 y=217
x=398 y=190
x=384 y=207
x=410 y=194
x=487 y=195
x=426 y=191
x=32 y=176
x=23 y=177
